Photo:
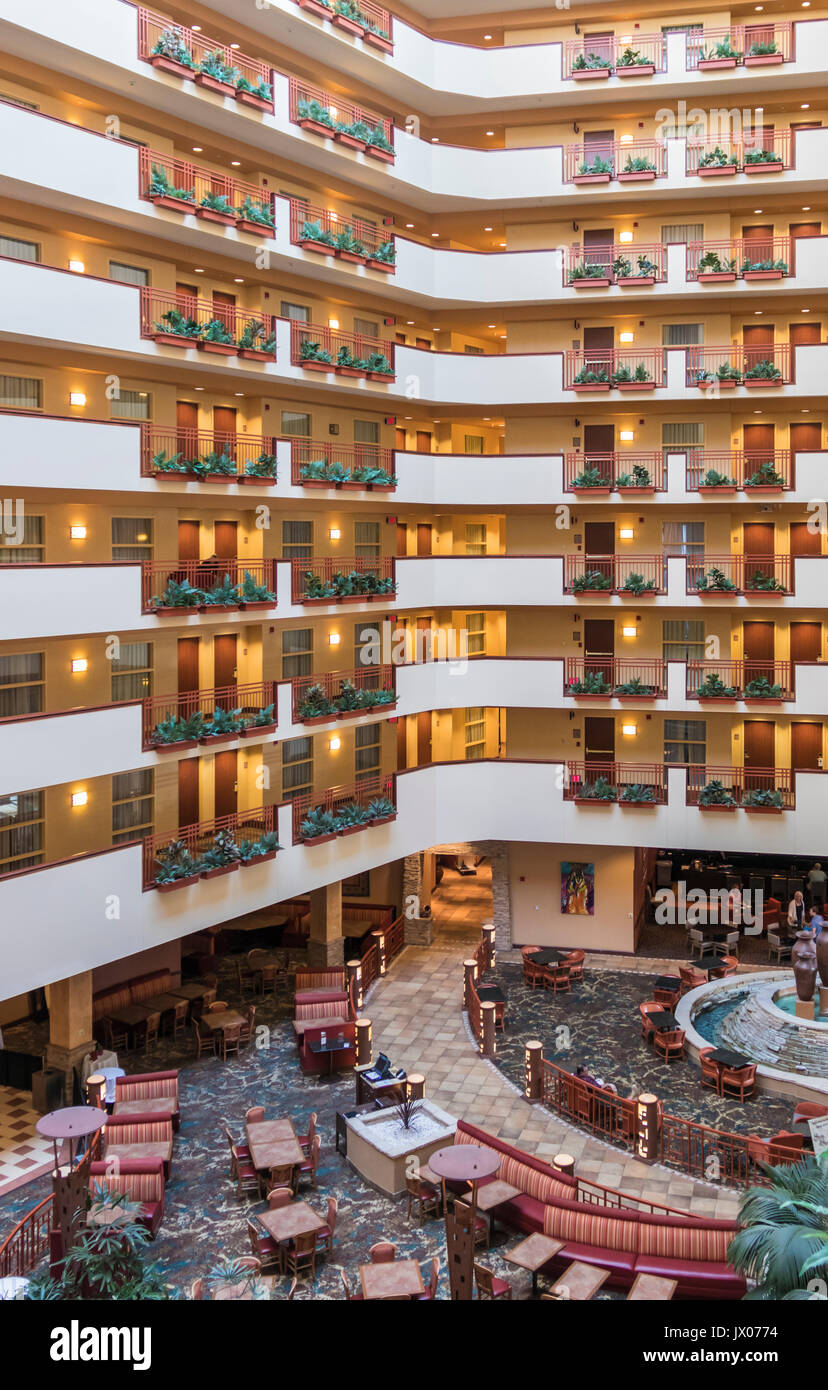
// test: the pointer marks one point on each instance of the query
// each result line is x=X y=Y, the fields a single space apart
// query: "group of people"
x=809 y=919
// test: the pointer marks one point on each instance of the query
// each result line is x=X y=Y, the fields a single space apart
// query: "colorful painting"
x=577 y=889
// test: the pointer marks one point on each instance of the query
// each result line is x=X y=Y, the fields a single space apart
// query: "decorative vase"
x=804 y=961
x=821 y=946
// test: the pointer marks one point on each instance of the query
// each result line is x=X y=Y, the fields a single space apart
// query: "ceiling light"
x=491 y=325
x=199 y=270
x=236 y=163
x=410 y=226
x=196 y=28
x=198 y=388
x=756 y=210
x=77 y=266
x=625 y=236
x=235 y=45
x=487 y=36
x=77 y=533
x=79 y=665
x=490 y=132
x=805 y=106
x=805 y=410
x=488 y=229
x=757 y=311
x=435 y=233
x=238 y=393
x=77 y=398
x=237 y=280
x=804 y=311
x=807 y=209
x=629 y=631
x=80 y=798
x=435 y=140
x=503 y=243
x=198 y=149
x=409 y=323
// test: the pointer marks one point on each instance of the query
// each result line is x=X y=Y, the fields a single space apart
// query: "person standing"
x=816 y=884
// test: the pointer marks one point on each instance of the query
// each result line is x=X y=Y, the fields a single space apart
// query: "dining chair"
x=305 y=1140
x=248 y=978
x=488 y=1285
x=349 y=1297
x=217 y=1007
x=282 y=1176
x=325 y=1234
x=240 y=1151
x=575 y=961
x=430 y=1290
x=152 y=1028
x=205 y=1042
x=301 y=1254
x=116 y=1035
x=698 y=942
x=382 y=1253
x=308 y=1168
x=741 y=1080
x=279 y=1197
x=729 y=966
x=197 y=1289
x=777 y=947
x=247 y=1179
x=556 y=978
x=647 y=1026
x=424 y=1195
x=248 y=1026
x=231 y=1041
x=728 y=946
x=267 y=1251
x=710 y=1071
x=667 y=998
x=533 y=974
x=254 y=1115
x=178 y=1017
x=670 y=1044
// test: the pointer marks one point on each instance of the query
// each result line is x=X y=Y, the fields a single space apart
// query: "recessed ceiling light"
x=491 y=325
x=806 y=106
x=238 y=393
x=435 y=330
x=807 y=209
x=435 y=139
x=757 y=311
x=435 y=233
x=488 y=229
x=409 y=225
x=804 y=311
x=503 y=243
x=196 y=28
x=757 y=210
x=503 y=335
x=490 y=132
x=236 y=163
x=199 y=388
x=237 y=280
x=487 y=36
x=235 y=45
x=805 y=411
x=409 y=323
x=198 y=149
x=198 y=270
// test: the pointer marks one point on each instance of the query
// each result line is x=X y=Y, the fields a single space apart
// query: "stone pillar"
x=533 y=1071
x=498 y=854
x=70 y=1025
x=325 y=944
x=418 y=885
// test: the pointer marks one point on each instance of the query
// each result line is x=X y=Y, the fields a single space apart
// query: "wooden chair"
x=809 y=1110
x=742 y=1082
x=279 y=1197
x=267 y=1251
x=349 y=1297
x=197 y=1289
x=204 y=1042
x=667 y=998
x=728 y=947
x=300 y=1255
x=152 y=1027
x=690 y=978
x=729 y=966
x=305 y=1140
x=325 y=1234
x=556 y=978
x=308 y=1168
x=178 y=1017
x=254 y=1115
x=777 y=947
x=382 y=1253
x=698 y=943
x=247 y=1179
x=533 y=974
x=240 y=1151
x=431 y=1287
x=116 y=1036
x=248 y=1026
x=575 y=961
x=648 y=1028
x=217 y=1007
x=710 y=1071
x=282 y=1177
x=231 y=1041
x=670 y=1044
x=488 y=1285
x=425 y=1195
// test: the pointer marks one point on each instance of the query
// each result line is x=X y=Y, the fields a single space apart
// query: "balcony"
x=353 y=241
x=740 y=258
x=174 y=723
x=636 y=161
x=755 y=682
x=628 y=785
x=620 y=678
x=760 y=368
x=342 y=811
x=352 y=127
x=179 y=588
x=209 y=849
x=639 y=576
x=589 y=61
x=181 y=52
x=596 y=475
x=184 y=321
x=343 y=579
x=361 y=19
x=759 y=472
x=191 y=190
x=344 y=694
x=758 y=45
x=760 y=576
x=607 y=369
x=721 y=157
x=182 y=454
x=318 y=348
x=598 y=267
x=351 y=467
x=767 y=791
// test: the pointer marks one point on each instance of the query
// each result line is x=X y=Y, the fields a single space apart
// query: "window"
x=131 y=677
x=366 y=432
x=682 y=436
x=21 y=684
x=476 y=633
x=300 y=312
x=475 y=538
x=132 y=538
x=685 y=741
x=21 y=393
x=682 y=639
x=367 y=751
x=369 y=328
x=132 y=813
x=297 y=767
x=475 y=733
x=682 y=231
x=366 y=640
x=297 y=540
x=18 y=250
x=474 y=351
x=21 y=831
x=297 y=652
x=294 y=422
x=682 y=334
x=18 y=101
x=128 y=274
x=473 y=443
x=677 y=131
x=131 y=405
x=27 y=548
x=367 y=539
x=682 y=537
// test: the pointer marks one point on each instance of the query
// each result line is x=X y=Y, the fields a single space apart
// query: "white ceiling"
x=499 y=12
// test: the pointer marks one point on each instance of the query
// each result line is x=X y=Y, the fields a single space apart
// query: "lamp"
x=77 y=533
x=334 y=534
x=334 y=639
x=79 y=665
x=629 y=631
x=626 y=337
x=629 y=730
x=80 y=798
x=333 y=323
x=626 y=533
x=77 y=266
x=625 y=236
x=335 y=743
x=626 y=140
x=77 y=398
x=626 y=436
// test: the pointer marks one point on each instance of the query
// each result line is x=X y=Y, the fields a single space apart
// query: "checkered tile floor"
x=24 y=1154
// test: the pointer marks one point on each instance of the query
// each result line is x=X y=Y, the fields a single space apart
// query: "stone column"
x=418 y=884
x=325 y=944
x=70 y=1025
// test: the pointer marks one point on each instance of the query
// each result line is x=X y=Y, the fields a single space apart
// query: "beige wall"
x=535 y=881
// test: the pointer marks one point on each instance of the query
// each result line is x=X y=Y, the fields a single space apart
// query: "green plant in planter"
x=635 y=583
x=748 y=266
x=625 y=374
x=646 y=266
x=765 y=476
x=218 y=463
x=588 y=377
x=107 y=1259
x=378 y=362
x=761 y=581
x=379 y=139
x=178 y=594
x=715 y=793
x=763 y=157
x=382 y=696
x=367 y=473
x=318 y=822
x=352 y=814
x=237 y=1272
x=170 y=44
x=314 y=352
x=218 y=202
x=174 y=463
x=599 y=790
x=223 y=721
x=345 y=358
x=176 y=729
x=374 y=584
x=640 y=477
x=315 y=703
x=712 y=264
x=714 y=479
x=385 y=252
x=162 y=187
x=307 y=109
x=763 y=371
x=174 y=862
x=724 y=49
x=336 y=472
x=252 y=210
x=599 y=165
x=713 y=687
x=380 y=806
x=348 y=697
x=250 y=850
x=634 y=687
x=760 y=688
x=216 y=331
x=590 y=62
x=346 y=585
x=346 y=241
x=716 y=159
x=591 y=683
x=262 y=718
x=591 y=476
x=589 y=270
x=213 y=65
x=715 y=580
x=622 y=268
x=781 y=1243
x=314 y=231
x=727 y=372
x=316 y=587
x=761 y=50
x=260 y=89
x=315 y=471
x=761 y=796
x=637 y=791
x=251 y=592
x=632 y=58
x=350 y=10
x=590 y=580
x=183 y=325
x=638 y=164
x=222 y=595
x=262 y=467
x=224 y=850
x=359 y=130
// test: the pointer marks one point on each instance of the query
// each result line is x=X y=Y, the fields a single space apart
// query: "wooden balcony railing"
x=635 y=161
x=180 y=50
x=197 y=839
x=319 y=111
x=308 y=574
x=348 y=354
x=335 y=799
x=637 y=575
x=318 y=229
x=28 y=1243
x=724 y=368
x=170 y=451
x=648 y=49
x=365 y=20
x=628 y=784
x=206 y=577
x=368 y=679
x=755 y=470
x=350 y=458
x=606 y=369
x=377 y=956
x=741 y=39
x=739 y=258
x=738 y=786
x=249 y=699
x=762 y=575
x=183 y=320
x=717 y=156
x=614 y=674
x=616 y=263
x=181 y=186
x=730 y=680
x=587 y=471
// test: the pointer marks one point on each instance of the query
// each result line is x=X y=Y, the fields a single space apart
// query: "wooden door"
x=225 y=542
x=188 y=798
x=804 y=541
x=599 y=739
x=758 y=343
x=599 y=646
x=402 y=743
x=805 y=436
x=402 y=538
x=424 y=639
x=423 y=738
x=809 y=332
x=760 y=752
x=599 y=546
x=186 y=429
x=189 y=540
x=224 y=427
x=224 y=775
x=599 y=442
x=423 y=538
x=759 y=442
x=188 y=664
x=806 y=641
x=598 y=346
x=759 y=646
x=598 y=246
x=188 y=299
x=423 y=441
x=598 y=143
x=224 y=661
x=806 y=745
x=759 y=540
x=760 y=238
x=399 y=437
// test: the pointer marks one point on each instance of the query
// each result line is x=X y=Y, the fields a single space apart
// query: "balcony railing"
x=184 y=320
x=636 y=161
x=755 y=470
x=333 y=689
x=604 y=369
x=194 y=841
x=628 y=784
x=316 y=347
x=645 y=56
x=335 y=799
x=740 y=258
x=637 y=575
x=729 y=680
x=209 y=585
x=181 y=186
x=331 y=234
x=340 y=465
x=586 y=472
x=739 y=574
x=177 y=49
x=723 y=368
x=327 y=580
x=356 y=127
x=770 y=788
x=740 y=39
x=214 y=456
x=175 y=711
x=630 y=267
x=602 y=677
x=367 y=21
x=717 y=156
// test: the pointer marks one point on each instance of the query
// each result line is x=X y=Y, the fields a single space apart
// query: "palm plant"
x=783 y=1243
x=106 y=1261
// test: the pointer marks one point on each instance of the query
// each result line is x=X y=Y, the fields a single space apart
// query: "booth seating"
x=141 y=1180
x=626 y=1241
x=131 y=992
x=328 y=1006
x=151 y=1085
x=317 y=980
x=139 y=1137
x=343 y=1059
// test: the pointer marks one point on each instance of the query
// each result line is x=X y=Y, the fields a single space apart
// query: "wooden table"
x=579 y=1282
x=394 y=1279
x=131 y=1015
x=158 y=1149
x=225 y=1018
x=157 y=1105
x=273 y=1143
x=222 y=1293
x=491 y=1194
x=295 y=1219
x=532 y=1253
x=192 y=990
x=162 y=1003
x=651 y=1288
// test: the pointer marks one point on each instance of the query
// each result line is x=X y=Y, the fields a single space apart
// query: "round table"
x=464 y=1163
x=72 y=1122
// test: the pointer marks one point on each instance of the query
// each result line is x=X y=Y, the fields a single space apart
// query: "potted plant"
x=318 y=827
x=761 y=582
x=626 y=379
x=716 y=162
x=321 y=9
x=347 y=16
x=384 y=698
x=764 y=270
x=223 y=726
x=255 y=343
x=259 y=851
x=374 y=479
x=162 y=463
x=636 y=584
x=590 y=379
x=176 y=867
x=165 y=194
x=314 y=358
x=377 y=37
x=637 y=169
x=222 y=858
x=764 y=373
x=256 y=217
x=177 y=329
x=347 y=701
x=260 y=470
x=715 y=581
x=313 y=116
x=598 y=170
x=379 y=146
x=377 y=588
x=381 y=810
x=177 y=732
x=216 y=207
x=354 y=136
x=349 y=247
x=646 y=273
x=714 y=796
x=763 y=55
x=253 y=595
x=726 y=376
x=352 y=817
x=383 y=258
x=179 y=597
x=259 y=95
x=216 y=75
x=590 y=66
x=760 y=690
x=590 y=273
x=590 y=686
x=378 y=367
x=346 y=364
x=591 y=581
x=315 y=707
x=601 y=790
x=713 y=270
x=171 y=54
x=314 y=473
x=780 y=1245
x=262 y=723
x=721 y=55
x=767 y=800
x=634 y=690
x=593 y=481
x=636 y=482
x=765 y=479
x=314 y=237
x=714 y=688
x=763 y=162
x=717 y=482
x=633 y=63
x=638 y=794
x=317 y=590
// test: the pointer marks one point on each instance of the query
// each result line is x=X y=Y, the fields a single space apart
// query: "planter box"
x=383 y=820
x=354 y=829
x=594 y=801
x=590 y=386
x=716 y=277
x=377 y=41
x=218 y=607
x=384 y=1153
x=163 y=200
x=320 y=839
x=753 y=381
x=176 y=884
x=315 y=482
x=591 y=491
x=246 y=604
x=727 y=383
x=331 y=598
x=351 y=257
x=381 y=598
x=385 y=156
x=386 y=266
x=771 y=166
x=634 y=385
x=596 y=282
x=176 y=340
x=221 y=870
x=177 y=747
x=213 y=84
x=162 y=611
x=164 y=64
x=226 y=218
x=637 y=176
x=714 y=64
x=308 y=244
x=639 y=804
x=350 y=141
x=714 y=171
x=763 y=699
x=316 y=127
x=763 y=60
x=260 y=858
x=577 y=696
x=258 y=731
x=350 y=486
x=379 y=487
x=318 y=719
x=627 y=281
x=219 y=478
x=716 y=808
x=219 y=349
x=349 y=371
x=717 y=699
x=350 y=713
x=351 y=598
x=210 y=739
x=380 y=376
x=250 y=99
x=637 y=491
x=349 y=26
x=762 y=275
x=254 y=228
x=635 y=70
x=763 y=489
x=256 y=355
x=315 y=8
x=764 y=810
x=591 y=178
x=309 y=365
x=631 y=699
x=590 y=74
x=717 y=491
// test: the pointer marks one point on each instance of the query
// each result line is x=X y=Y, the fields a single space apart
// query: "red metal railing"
x=611 y=468
x=712 y=574
x=335 y=798
x=28 y=1244
x=590 y=1107
x=193 y=183
x=249 y=699
x=204 y=575
x=332 y=340
x=345 y=112
x=621 y=571
x=305 y=217
x=393 y=940
x=740 y=782
x=160 y=442
x=634 y=777
x=650 y=47
x=582 y=264
x=736 y=148
x=238 y=322
x=376 y=23
x=616 y=671
x=351 y=456
x=738 y=258
x=324 y=569
x=152 y=26
x=741 y=37
x=196 y=839
x=737 y=464
x=607 y=363
x=615 y=153
x=736 y=675
x=736 y=362
x=371 y=678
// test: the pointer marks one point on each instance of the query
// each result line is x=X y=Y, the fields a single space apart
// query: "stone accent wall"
x=497 y=852
x=419 y=931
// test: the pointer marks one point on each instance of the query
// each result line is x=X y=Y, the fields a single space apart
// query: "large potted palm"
x=783 y=1244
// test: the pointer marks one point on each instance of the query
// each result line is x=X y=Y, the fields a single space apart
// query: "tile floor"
x=24 y=1154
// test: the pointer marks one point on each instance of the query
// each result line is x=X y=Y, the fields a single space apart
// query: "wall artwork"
x=577 y=889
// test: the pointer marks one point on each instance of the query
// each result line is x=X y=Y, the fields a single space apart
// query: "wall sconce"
x=626 y=533
x=77 y=533
x=626 y=337
x=333 y=215
x=77 y=266
x=334 y=639
x=77 y=398
x=625 y=236
x=629 y=730
x=626 y=436
x=79 y=665
x=629 y=631
x=626 y=140
x=333 y=323
x=79 y=798
x=335 y=743
x=334 y=534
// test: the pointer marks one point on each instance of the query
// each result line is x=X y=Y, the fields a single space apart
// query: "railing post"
x=487 y=1014
x=533 y=1071
x=379 y=942
x=646 y=1127
x=470 y=969
x=354 y=969
x=489 y=942
x=364 y=1042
